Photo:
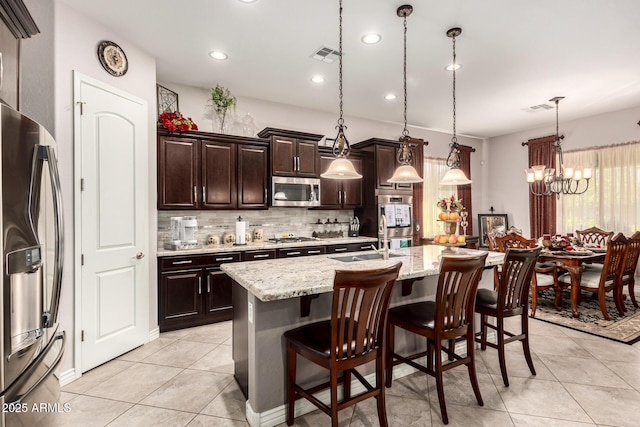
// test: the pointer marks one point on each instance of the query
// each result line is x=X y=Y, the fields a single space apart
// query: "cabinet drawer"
x=258 y=255
x=350 y=247
x=303 y=251
x=209 y=260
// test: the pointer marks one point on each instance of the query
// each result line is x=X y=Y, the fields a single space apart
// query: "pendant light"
x=341 y=167
x=405 y=173
x=454 y=176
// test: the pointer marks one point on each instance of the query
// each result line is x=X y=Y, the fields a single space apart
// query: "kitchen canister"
x=229 y=238
x=258 y=235
x=213 y=240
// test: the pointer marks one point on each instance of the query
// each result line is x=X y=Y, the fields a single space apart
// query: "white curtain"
x=434 y=169
x=612 y=201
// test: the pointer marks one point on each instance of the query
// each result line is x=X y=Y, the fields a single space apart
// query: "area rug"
x=624 y=329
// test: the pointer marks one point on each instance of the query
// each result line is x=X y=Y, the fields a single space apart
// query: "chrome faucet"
x=383 y=246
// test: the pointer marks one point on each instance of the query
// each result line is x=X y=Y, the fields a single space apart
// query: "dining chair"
x=545 y=275
x=594 y=236
x=511 y=298
x=447 y=318
x=496 y=232
x=355 y=335
x=631 y=255
x=608 y=278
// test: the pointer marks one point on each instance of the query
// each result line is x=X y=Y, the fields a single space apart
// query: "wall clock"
x=112 y=58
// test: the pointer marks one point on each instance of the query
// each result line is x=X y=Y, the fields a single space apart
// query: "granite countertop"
x=205 y=249
x=284 y=278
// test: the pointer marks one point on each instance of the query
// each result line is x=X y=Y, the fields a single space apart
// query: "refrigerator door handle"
x=46 y=153
x=61 y=336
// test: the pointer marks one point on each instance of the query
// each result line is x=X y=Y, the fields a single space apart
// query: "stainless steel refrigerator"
x=32 y=251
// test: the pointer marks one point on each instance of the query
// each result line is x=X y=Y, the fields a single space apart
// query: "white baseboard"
x=67 y=376
x=278 y=415
x=154 y=334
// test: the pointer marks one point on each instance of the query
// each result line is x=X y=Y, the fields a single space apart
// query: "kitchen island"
x=273 y=296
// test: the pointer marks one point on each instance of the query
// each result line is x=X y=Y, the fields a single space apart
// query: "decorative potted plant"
x=222 y=103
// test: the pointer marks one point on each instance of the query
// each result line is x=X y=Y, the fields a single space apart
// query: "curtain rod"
x=601 y=147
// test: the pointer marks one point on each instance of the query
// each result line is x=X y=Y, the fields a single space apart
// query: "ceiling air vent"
x=538 y=108
x=326 y=54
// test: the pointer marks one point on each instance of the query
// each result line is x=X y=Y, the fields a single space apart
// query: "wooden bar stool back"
x=511 y=298
x=447 y=318
x=355 y=335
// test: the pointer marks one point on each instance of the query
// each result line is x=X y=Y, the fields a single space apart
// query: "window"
x=434 y=169
x=612 y=201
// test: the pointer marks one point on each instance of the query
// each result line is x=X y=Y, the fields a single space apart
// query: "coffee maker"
x=183 y=233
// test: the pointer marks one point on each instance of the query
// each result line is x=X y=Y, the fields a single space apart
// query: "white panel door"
x=113 y=142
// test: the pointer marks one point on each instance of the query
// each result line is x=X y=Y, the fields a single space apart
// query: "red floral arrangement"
x=175 y=121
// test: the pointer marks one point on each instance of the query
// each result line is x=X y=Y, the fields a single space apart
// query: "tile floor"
x=184 y=378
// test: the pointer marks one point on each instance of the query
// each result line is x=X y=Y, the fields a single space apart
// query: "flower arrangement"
x=222 y=102
x=561 y=242
x=173 y=121
x=450 y=204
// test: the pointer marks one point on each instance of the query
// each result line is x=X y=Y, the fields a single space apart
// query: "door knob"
x=140 y=255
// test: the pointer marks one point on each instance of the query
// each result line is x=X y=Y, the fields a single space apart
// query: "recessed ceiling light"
x=218 y=54
x=371 y=38
x=248 y=1
x=390 y=97
x=452 y=67
x=317 y=79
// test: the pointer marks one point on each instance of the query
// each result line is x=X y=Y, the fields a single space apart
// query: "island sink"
x=364 y=257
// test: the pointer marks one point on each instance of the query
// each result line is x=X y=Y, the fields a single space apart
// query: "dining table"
x=573 y=262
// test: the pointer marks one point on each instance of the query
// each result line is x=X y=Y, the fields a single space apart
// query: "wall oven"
x=398 y=212
x=292 y=191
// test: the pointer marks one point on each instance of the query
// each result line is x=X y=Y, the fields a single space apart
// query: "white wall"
x=193 y=103
x=506 y=188
x=68 y=42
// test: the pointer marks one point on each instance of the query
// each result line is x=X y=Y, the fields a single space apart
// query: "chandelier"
x=405 y=173
x=341 y=167
x=455 y=175
x=545 y=181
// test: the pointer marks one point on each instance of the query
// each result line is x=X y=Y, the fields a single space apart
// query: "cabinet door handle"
x=195 y=194
x=203 y=195
x=340 y=249
x=265 y=195
x=261 y=256
x=365 y=248
x=293 y=253
x=294 y=163
x=208 y=284
x=225 y=259
x=344 y=197
x=313 y=252
x=200 y=285
x=189 y=261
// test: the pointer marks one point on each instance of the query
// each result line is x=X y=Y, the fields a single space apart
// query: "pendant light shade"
x=405 y=174
x=341 y=168
x=455 y=176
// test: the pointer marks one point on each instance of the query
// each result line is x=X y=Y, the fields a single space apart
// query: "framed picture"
x=167 y=100
x=488 y=222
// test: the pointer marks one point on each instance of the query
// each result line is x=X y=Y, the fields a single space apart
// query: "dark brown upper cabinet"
x=340 y=193
x=383 y=156
x=293 y=153
x=200 y=170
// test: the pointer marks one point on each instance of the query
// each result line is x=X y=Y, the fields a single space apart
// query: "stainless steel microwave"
x=292 y=191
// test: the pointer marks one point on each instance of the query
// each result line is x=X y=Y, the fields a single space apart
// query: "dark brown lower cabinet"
x=192 y=290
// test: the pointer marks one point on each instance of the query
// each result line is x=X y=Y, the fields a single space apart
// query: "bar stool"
x=511 y=298
x=355 y=335
x=448 y=317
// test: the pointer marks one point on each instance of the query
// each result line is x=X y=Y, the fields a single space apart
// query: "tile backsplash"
x=301 y=222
